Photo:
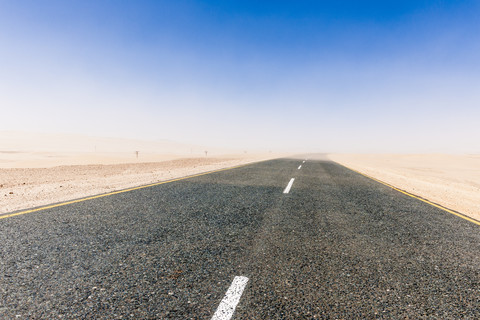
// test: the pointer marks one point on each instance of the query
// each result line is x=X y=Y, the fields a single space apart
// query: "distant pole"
x=136 y=152
x=206 y=153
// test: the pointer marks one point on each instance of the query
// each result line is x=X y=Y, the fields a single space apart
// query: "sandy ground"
x=38 y=169
x=42 y=150
x=450 y=180
x=22 y=188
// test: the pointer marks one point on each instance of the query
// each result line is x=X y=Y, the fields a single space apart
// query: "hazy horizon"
x=402 y=76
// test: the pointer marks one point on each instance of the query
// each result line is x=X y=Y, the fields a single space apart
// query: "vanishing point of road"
x=300 y=238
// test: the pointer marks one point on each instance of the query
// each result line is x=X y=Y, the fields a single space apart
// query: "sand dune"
x=450 y=180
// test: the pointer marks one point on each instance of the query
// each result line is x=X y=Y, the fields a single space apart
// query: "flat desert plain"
x=452 y=181
x=41 y=169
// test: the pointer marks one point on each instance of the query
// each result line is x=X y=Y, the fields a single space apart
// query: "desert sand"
x=43 y=150
x=41 y=169
x=452 y=181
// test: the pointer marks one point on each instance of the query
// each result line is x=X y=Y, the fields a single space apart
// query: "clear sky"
x=323 y=76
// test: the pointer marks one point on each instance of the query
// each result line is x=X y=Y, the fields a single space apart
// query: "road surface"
x=335 y=245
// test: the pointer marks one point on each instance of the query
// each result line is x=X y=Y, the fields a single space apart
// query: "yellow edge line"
x=418 y=198
x=116 y=192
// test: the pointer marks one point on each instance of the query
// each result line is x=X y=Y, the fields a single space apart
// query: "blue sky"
x=315 y=76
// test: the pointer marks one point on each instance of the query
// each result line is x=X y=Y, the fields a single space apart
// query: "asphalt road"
x=337 y=246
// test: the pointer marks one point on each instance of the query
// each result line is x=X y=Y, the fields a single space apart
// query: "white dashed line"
x=303 y=161
x=299 y=167
x=227 y=306
x=287 y=189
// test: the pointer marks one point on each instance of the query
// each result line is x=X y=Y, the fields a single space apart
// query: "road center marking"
x=227 y=306
x=299 y=167
x=289 y=186
x=303 y=161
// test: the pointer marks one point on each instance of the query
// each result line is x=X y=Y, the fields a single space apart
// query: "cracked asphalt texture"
x=338 y=246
